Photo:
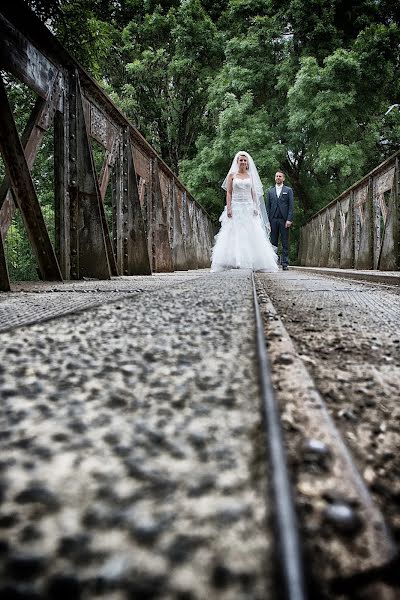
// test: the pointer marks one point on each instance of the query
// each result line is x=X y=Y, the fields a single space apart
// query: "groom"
x=280 y=214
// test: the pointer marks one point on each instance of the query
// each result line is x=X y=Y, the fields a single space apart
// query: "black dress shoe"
x=285 y=268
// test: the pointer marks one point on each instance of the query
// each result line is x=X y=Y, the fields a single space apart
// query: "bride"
x=243 y=240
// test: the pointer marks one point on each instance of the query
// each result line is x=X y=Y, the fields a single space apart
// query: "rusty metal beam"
x=135 y=250
x=161 y=249
x=109 y=161
x=116 y=194
x=107 y=238
x=61 y=196
x=191 y=253
x=34 y=55
x=178 y=247
x=71 y=167
x=361 y=228
x=4 y=278
x=38 y=123
x=5 y=192
x=33 y=30
x=91 y=249
x=24 y=60
x=379 y=168
x=397 y=212
x=24 y=191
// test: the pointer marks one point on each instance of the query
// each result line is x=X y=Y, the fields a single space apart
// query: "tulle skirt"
x=242 y=242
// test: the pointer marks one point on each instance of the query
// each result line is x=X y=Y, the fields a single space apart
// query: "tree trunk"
x=300 y=193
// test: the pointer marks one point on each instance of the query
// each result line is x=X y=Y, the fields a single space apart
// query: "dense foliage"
x=302 y=86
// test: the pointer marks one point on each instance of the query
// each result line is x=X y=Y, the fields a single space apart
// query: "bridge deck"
x=31 y=302
x=147 y=389
x=129 y=442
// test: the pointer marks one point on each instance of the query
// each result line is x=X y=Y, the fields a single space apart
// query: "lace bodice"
x=241 y=190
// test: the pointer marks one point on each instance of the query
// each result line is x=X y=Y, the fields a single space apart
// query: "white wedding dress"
x=242 y=242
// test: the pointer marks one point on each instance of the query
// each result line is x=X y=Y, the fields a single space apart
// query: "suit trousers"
x=278 y=229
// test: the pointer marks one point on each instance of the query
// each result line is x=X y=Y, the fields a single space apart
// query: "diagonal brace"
x=24 y=192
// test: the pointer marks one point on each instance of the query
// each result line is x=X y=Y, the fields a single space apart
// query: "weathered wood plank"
x=24 y=191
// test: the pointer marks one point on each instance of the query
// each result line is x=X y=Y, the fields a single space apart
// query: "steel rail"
x=289 y=548
x=368 y=553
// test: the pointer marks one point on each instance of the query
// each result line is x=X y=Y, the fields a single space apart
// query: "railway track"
x=342 y=539
x=288 y=543
x=159 y=414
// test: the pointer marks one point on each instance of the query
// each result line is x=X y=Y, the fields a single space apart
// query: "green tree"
x=171 y=56
x=246 y=104
x=337 y=111
x=303 y=86
x=320 y=78
x=88 y=29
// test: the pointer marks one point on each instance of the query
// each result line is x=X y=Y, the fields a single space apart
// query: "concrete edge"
x=372 y=277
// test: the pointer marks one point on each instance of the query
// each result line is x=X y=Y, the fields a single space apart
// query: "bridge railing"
x=156 y=225
x=360 y=229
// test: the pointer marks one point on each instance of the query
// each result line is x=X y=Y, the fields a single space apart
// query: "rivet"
x=343 y=518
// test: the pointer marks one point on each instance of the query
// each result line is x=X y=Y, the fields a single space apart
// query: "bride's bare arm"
x=255 y=202
x=229 y=196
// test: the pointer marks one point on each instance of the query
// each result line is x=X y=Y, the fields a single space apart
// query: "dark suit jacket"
x=285 y=203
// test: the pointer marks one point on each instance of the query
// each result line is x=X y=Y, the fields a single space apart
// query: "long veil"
x=257 y=186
